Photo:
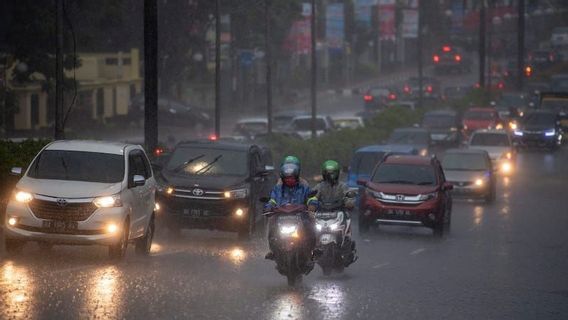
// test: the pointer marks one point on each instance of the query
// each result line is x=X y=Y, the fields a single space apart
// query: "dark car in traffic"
x=215 y=185
x=406 y=190
x=450 y=59
x=539 y=128
x=471 y=173
x=444 y=127
x=430 y=88
x=378 y=97
x=417 y=138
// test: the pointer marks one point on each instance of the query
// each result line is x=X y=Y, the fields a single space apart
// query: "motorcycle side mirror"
x=362 y=182
x=351 y=194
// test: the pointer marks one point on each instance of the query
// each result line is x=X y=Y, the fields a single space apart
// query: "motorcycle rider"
x=292 y=191
x=294 y=160
x=331 y=191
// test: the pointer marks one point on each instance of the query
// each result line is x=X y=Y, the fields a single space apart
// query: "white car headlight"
x=428 y=196
x=23 y=197
x=319 y=227
x=108 y=201
x=550 y=133
x=479 y=182
x=518 y=133
x=236 y=194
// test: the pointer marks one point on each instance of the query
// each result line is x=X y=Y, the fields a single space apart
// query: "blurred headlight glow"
x=479 y=182
x=112 y=228
x=12 y=221
x=506 y=167
x=23 y=197
x=108 y=201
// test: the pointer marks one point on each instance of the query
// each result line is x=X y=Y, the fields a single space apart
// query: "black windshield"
x=78 y=166
x=365 y=162
x=231 y=162
x=465 y=162
x=490 y=139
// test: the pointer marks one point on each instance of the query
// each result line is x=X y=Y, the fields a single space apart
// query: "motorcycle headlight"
x=319 y=227
x=236 y=194
x=289 y=230
x=108 y=201
x=23 y=197
x=428 y=196
x=335 y=226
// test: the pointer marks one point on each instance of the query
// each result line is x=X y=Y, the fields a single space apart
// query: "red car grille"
x=70 y=212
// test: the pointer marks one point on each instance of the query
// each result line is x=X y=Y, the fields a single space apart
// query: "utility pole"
x=314 y=69
x=59 y=134
x=268 y=57
x=217 y=69
x=481 y=48
x=150 y=74
x=420 y=65
x=521 y=45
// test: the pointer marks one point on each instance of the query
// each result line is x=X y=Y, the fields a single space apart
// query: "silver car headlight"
x=428 y=196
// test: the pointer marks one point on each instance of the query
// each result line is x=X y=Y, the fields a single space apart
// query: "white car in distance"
x=84 y=193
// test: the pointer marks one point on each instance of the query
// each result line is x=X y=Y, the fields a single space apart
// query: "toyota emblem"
x=61 y=202
x=399 y=197
x=198 y=192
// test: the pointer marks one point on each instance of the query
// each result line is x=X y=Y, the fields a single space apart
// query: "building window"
x=111 y=61
x=34 y=104
x=126 y=61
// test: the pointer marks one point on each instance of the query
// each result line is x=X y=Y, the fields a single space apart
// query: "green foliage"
x=16 y=154
x=340 y=145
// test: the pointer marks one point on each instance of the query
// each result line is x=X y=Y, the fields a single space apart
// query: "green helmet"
x=292 y=159
x=330 y=171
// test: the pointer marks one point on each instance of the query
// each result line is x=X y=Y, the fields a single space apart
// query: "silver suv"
x=84 y=192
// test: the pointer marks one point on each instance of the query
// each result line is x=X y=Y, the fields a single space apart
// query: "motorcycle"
x=289 y=242
x=333 y=227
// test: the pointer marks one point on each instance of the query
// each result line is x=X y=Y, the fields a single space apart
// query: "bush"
x=340 y=145
x=15 y=154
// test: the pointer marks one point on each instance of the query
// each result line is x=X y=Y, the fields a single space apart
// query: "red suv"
x=406 y=190
x=481 y=118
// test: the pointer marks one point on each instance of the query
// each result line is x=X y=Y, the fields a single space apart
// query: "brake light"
x=392 y=96
x=528 y=71
x=500 y=85
x=213 y=137
x=446 y=48
x=158 y=151
x=429 y=88
x=551 y=57
x=436 y=59
x=458 y=58
x=406 y=89
x=368 y=98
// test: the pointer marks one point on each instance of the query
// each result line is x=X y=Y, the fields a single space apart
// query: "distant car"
x=366 y=158
x=456 y=92
x=418 y=138
x=378 y=97
x=430 y=88
x=408 y=105
x=535 y=88
x=470 y=171
x=282 y=119
x=450 y=59
x=498 y=145
x=251 y=127
x=172 y=113
x=511 y=104
x=347 y=122
x=481 y=118
x=84 y=193
x=539 y=128
x=406 y=190
x=444 y=127
x=215 y=185
x=559 y=37
x=541 y=58
x=302 y=125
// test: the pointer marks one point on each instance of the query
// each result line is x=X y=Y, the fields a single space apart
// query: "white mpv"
x=84 y=192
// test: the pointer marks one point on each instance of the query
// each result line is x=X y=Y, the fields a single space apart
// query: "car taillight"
x=446 y=48
x=458 y=58
x=528 y=71
x=406 y=89
x=551 y=58
x=500 y=85
x=392 y=96
x=429 y=88
x=368 y=98
x=436 y=59
x=158 y=151
x=213 y=137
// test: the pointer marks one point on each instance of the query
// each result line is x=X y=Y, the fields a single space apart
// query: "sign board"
x=335 y=26
x=387 y=20
x=410 y=23
x=363 y=12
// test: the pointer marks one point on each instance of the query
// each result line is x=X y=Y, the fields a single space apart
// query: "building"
x=106 y=84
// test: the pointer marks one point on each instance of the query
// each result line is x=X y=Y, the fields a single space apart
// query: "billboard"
x=387 y=20
x=335 y=26
x=363 y=12
x=410 y=23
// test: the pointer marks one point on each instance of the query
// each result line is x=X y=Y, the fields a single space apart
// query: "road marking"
x=417 y=251
x=378 y=266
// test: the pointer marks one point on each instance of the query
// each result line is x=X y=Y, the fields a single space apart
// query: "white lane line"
x=417 y=251
x=378 y=266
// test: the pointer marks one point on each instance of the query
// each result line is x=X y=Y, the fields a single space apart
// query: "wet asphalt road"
x=507 y=260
